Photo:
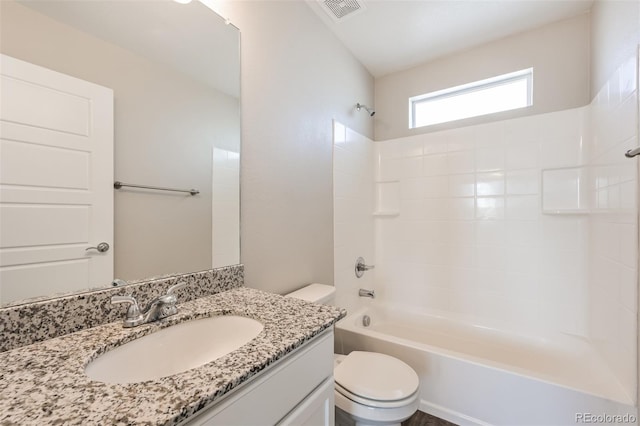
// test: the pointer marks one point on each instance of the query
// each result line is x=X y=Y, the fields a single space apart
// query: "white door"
x=56 y=182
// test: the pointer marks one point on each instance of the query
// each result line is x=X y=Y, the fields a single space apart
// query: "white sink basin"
x=174 y=349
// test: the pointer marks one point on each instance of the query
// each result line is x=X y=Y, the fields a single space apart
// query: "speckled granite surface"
x=44 y=383
x=44 y=319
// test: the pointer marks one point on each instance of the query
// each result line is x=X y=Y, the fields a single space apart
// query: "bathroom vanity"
x=282 y=376
x=298 y=390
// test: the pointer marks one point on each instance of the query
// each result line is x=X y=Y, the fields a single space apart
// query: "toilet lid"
x=376 y=376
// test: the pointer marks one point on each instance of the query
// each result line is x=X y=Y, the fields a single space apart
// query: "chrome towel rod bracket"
x=118 y=185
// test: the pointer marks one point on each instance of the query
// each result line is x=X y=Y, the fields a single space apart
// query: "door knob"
x=102 y=247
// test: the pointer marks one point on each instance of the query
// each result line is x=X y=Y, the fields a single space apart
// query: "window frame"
x=525 y=74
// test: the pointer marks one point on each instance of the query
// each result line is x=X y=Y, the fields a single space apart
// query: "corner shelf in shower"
x=387 y=195
x=564 y=191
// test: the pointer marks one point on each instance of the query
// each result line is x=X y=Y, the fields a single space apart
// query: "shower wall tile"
x=492 y=233
x=436 y=164
x=523 y=233
x=522 y=154
x=613 y=241
x=472 y=229
x=226 y=208
x=490 y=183
x=434 y=186
x=562 y=137
x=461 y=185
x=412 y=148
x=490 y=159
x=460 y=233
x=460 y=162
x=523 y=182
x=459 y=209
x=526 y=207
x=354 y=202
x=490 y=208
x=564 y=233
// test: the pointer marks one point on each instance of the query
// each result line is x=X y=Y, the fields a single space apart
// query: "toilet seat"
x=372 y=402
x=375 y=379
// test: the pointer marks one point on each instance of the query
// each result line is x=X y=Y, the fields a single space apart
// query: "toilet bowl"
x=373 y=388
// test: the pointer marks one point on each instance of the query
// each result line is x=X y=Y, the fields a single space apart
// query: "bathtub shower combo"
x=505 y=261
x=475 y=375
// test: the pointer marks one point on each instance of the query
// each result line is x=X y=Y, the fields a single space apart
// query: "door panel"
x=21 y=282
x=54 y=110
x=71 y=167
x=41 y=224
x=56 y=177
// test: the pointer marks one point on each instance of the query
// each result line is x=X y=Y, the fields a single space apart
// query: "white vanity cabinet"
x=296 y=390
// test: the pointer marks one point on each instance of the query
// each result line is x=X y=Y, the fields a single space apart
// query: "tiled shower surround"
x=226 y=207
x=353 y=170
x=613 y=231
x=527 y=225
x=470 y=239
x=38 y=320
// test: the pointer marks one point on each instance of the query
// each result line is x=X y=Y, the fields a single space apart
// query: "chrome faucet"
x=361 y=267
x=159 y=308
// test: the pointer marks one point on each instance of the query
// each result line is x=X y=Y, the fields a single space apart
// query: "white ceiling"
x=394 y=35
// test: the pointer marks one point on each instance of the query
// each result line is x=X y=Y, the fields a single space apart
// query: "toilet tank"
x=316 y=293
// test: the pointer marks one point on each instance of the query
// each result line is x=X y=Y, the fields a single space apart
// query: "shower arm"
x=360 y=106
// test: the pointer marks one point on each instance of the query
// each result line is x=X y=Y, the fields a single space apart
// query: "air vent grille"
x=339 y=9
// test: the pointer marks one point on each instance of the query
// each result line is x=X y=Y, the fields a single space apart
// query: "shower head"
x=371 y=112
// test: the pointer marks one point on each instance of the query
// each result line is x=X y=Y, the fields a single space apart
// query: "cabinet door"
x=316 y=410
x=275 y=393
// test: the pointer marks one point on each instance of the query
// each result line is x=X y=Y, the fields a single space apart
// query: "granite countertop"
x=44 y=383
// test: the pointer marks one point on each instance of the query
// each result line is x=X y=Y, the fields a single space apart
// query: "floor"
x=418 y=419
x=424 y=419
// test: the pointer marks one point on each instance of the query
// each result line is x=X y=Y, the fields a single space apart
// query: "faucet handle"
x=172 y=289
x=133 y=313
x=125 y=299
x=361 y=267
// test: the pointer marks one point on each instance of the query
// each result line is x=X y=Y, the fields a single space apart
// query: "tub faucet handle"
x=361 y=267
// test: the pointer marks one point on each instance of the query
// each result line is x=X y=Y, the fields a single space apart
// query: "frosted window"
x=501 y=93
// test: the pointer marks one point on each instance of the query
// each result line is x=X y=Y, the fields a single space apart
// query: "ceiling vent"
x=339 y=10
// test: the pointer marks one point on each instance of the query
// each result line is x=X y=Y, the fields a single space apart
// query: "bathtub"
x=473 y=375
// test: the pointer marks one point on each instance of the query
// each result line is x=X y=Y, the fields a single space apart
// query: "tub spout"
x=366 y=293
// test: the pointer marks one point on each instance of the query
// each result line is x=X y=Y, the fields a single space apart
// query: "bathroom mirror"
x=174 y=70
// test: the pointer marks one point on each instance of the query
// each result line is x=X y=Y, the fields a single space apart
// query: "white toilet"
x=373 y=388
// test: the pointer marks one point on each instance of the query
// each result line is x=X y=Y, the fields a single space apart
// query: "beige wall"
x=165 y=127
x=559 y=54
x=296 y=77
